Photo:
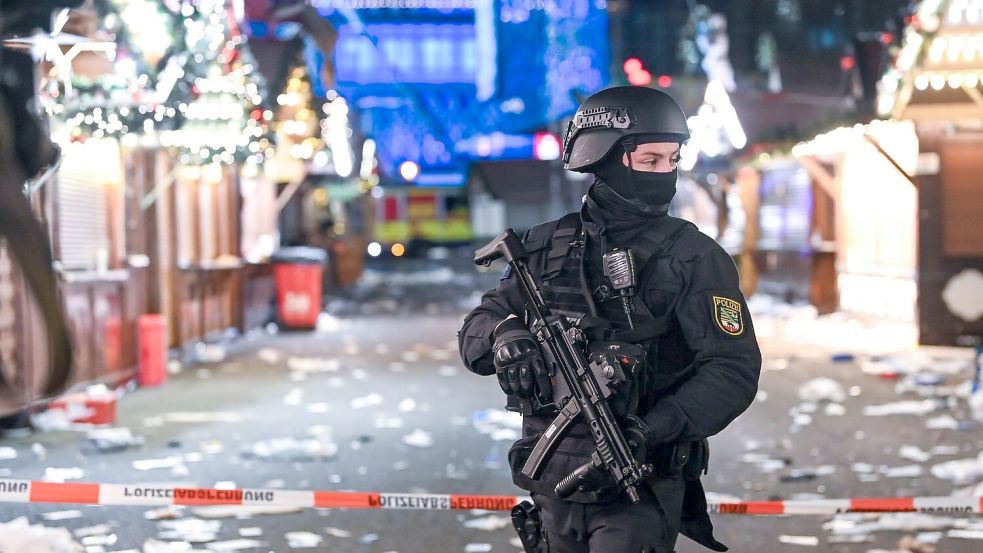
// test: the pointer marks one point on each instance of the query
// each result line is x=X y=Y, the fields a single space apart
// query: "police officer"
x=686 y=323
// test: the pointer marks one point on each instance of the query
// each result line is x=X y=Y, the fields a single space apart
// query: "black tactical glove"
x=518 y=362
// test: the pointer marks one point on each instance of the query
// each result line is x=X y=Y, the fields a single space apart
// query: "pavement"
x=376 y=399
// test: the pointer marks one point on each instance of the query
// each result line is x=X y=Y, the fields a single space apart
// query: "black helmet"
x=613 y=114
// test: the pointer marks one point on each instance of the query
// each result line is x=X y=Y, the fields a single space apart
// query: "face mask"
x=649 y=188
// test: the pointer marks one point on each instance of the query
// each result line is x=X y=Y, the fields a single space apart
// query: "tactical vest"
x=564 y=286
x=557 y=252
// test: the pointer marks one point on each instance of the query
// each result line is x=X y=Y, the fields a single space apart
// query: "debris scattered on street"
x=908 y=407
x=822 y=389
x=54 y=474
x=61 y=515
x=489 y=523
x=960 y=472
x=192 y=530
x=19 y=536
x=811 y=541
x=366 y=401
x=242 y=511
x=418 y=438
x=292 y=449
x=303 y=539
x=269 y=355
x=313 y=364
x=337 y=532
x=113 y=440
x=477 y=548
x=914 y=453
x=210 y=353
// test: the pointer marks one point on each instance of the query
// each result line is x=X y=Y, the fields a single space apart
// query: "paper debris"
x=292 y=449
x=385 y=421
x=209 y=353
x=242 y=511
x=313 y=364
x=60 y=475
x=155 y=546
x=822 y=389
x=233 y=545
x=477 y=548
x=7 y=453
x=164 y=513
x=191 y=530
x=111 y=440
x=61 y=515
x=907 y=471
x=366 y=401
x=269 y=355
x=447 y=370
x=151 y=464
x=489 y=523
x=201 y=417
x=19 y=535
x=303 y=539
x=961 y=472
x=908 y=407
x=966 y=534
x=251 y=532
x=418 y=438
x=337 y=532
x=407 y=405
x=811 y=541
x=914 y=453
x=93 y=530
x=942 y=422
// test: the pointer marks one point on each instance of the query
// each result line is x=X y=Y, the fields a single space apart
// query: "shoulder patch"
x=728 y=315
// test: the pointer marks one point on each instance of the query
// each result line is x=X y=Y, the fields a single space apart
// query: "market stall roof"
x=938 y=73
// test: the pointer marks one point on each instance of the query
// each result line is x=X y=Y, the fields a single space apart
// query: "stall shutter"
x=82 y=209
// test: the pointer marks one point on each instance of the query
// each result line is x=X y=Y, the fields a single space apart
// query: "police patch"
x=727 y=314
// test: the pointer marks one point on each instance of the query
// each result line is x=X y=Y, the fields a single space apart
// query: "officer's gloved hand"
x=518 y=362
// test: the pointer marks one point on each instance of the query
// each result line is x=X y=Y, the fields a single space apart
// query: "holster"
x=529 y=526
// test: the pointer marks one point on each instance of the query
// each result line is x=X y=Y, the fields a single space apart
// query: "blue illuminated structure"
x=454 y=81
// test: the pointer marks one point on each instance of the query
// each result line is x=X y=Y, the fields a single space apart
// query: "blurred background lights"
x=409 y=170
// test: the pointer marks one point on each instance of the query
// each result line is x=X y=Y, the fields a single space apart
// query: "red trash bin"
x=299 y=274
x=152 y=336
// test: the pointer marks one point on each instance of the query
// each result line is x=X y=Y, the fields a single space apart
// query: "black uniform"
x=701 y=372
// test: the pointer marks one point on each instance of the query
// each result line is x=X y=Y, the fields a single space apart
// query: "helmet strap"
x=628 y=144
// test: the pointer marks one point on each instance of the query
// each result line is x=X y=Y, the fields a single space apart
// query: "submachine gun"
x=588 y=398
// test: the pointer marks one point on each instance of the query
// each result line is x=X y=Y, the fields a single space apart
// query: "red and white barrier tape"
x=31 y=491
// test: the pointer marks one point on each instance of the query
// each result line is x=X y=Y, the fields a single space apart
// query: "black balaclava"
x=642 y=187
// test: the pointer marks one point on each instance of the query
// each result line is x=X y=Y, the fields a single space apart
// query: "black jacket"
x=709 y=361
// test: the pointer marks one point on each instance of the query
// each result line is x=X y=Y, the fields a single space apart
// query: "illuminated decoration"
x=223 y=121
x=401 y=4
x=366 y=171
x=297 y=130
x=374 y=249
x=336 y=133
x=715 y=130
x=434 y=83
x=942 y=50
x=204 y=101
